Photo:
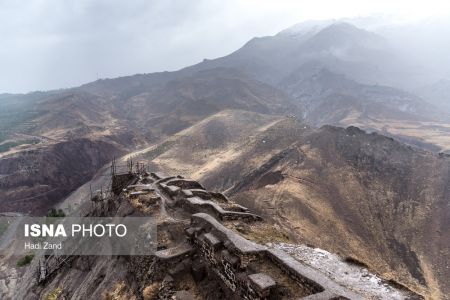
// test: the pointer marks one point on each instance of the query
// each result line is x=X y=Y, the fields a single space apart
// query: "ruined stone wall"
x=252 y=269
x=245 y=269
x=120 y=181
x=191 y=198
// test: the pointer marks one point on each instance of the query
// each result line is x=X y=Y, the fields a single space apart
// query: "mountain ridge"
x=256 y=123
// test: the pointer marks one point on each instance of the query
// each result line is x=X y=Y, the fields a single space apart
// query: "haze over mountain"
x=257 y=124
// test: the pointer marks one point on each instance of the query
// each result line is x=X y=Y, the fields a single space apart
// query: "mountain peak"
x=306 y=28
x=315 y=26
x=343 y=27
x=345 y=30
x=321 y=35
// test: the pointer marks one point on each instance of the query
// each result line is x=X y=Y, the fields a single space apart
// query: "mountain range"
x=320 y=128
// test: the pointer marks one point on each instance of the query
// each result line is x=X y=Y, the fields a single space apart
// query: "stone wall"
x=252 y=270
x=121 y=181
x=193 y=199
x=244 y=269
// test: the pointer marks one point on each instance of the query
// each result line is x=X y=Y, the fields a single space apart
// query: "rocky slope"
x=235 y=123
x=373 y=200
x=116 y=121
x=365 y=196
x=33 y=181
x=343 y=75
x=314 y=74
x=207 y=248
x=339 y=46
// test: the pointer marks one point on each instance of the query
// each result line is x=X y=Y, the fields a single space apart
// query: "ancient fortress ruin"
x=208 y=248
x=200 y=252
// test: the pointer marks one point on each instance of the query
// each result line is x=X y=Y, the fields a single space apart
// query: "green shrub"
x=25 y=260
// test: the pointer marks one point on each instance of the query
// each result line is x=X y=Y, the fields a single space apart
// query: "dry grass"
x=191 y=152
x=434 y=133
x=262 y=233
x=53 y=295
x=121 y=291
x=143 y=205
x=150 y=292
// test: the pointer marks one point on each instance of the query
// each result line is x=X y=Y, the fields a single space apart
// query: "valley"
x=304 y=128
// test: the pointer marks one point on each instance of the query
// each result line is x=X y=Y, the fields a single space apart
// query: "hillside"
x=207 y=247
x=362 y=195
x=259 y=124
x=117 y=124
x=344 y=75
x=318 y=72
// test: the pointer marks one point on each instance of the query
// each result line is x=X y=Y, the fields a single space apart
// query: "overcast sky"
x=49 y=44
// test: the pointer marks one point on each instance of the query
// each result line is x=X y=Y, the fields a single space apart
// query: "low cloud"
x=48 y=44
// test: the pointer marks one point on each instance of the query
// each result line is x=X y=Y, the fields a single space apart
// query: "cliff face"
x=33 y=181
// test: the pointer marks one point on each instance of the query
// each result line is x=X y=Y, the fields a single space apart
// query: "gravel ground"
x=355 y=278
